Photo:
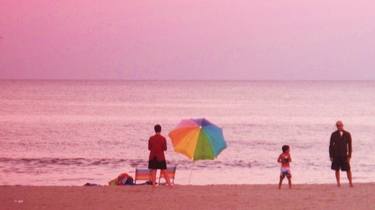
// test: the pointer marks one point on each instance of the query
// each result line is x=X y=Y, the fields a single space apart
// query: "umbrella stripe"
x=216 y=138
x=203 y=149
x=187 y=144
x=179 y=134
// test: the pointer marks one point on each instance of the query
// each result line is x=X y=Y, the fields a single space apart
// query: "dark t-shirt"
x=157 y=145
x=340 y=146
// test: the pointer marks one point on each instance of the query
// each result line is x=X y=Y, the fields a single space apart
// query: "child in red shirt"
x=284 y=159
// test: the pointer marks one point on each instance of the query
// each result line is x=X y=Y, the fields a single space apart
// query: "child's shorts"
x=285 y=172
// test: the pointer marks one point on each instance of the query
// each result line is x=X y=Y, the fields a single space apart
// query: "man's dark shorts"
x=340 y=163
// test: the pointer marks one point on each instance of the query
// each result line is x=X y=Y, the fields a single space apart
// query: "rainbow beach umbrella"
x=198 y=139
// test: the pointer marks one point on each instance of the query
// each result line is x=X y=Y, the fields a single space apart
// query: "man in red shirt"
x=157 y=145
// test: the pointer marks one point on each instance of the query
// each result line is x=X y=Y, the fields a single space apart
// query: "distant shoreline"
x=181 y=80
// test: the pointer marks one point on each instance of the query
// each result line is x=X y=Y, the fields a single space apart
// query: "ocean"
x=73 y=132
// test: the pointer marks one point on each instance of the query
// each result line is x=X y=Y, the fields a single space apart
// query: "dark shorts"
x=340 y=163
x=155 y=164
x=285 y=172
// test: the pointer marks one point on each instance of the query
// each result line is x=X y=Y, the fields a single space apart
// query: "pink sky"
x=184 y=39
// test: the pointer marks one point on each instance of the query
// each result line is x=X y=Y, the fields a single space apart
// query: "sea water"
x=73 y=132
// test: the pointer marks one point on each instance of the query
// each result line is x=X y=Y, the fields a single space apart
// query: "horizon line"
x=199 y=80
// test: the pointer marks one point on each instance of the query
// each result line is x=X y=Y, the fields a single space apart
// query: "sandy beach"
x=189 y=197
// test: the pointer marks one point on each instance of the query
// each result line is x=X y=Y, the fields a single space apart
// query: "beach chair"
x=142 y=174
x=171 y=171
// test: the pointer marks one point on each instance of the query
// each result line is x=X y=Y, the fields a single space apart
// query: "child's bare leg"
x=166 y=177
x=290 y=182
x=281 y=181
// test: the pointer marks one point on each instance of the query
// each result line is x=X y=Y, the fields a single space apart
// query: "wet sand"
x=189 y=197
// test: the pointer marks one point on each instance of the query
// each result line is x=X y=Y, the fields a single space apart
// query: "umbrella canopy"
x=198 y=139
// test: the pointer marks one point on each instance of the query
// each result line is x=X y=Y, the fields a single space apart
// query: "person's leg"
x=338 y=178
x=346 y=167
x=166 y=176
x=349 y=174
x=290 y=182
x=281 y=181
x=153 y=177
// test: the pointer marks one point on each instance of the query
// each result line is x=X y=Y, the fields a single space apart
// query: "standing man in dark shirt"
x=340 y=152
x=157 y=145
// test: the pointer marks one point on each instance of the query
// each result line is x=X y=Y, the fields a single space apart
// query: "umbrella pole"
x=191 y=172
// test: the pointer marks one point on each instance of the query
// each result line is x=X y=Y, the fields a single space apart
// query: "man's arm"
x=149 y=145
x=165 y=145
x=350 y=146
x=331 y=145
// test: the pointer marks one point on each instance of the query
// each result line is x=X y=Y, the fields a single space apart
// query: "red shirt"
x=284 y=159
x=157 y=145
